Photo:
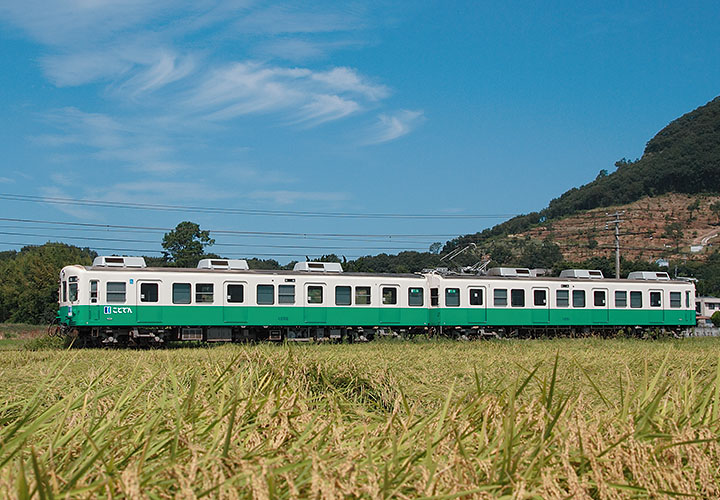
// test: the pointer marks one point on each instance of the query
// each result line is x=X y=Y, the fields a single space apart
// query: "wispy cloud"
x=6 y=180
x=394 y=125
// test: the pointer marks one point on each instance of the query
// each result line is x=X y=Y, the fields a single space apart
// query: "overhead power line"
x=238 y=211
x=217 y=244
x=232 y=232
x=148 y=251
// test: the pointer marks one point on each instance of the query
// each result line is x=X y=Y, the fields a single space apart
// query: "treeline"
x=684 y=157
x=29 y=288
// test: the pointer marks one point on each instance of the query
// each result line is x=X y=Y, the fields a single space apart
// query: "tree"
x=436 y=247
x=692 y=207
x=715 y=209
x=715 y=318
x=674 y=232
x=185 y=245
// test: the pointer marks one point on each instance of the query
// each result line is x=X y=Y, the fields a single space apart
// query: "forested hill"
x=684 y=157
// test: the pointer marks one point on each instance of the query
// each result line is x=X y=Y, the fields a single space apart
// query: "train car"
x=517 y=303
x=118 y=300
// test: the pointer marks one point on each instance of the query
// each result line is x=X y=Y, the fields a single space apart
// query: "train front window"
x=73 y=289
x=148 y=292
x=452 y=297
x=675 y=300
x=181 y=293
x=64 y=291
x=343 y=295
x=115 y=292
x=93 y=291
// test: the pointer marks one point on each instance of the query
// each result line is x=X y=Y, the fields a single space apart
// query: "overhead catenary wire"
x=234 y=232
x=237 y=211
x=216 y=244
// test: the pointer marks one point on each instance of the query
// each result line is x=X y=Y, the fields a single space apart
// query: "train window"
x=235 y=293
x=93 y=291
x=415 y=297
x=342 y=295
x=389 y=296
x=655 y=299
x=620 y=298
x=434 y=297
x=517 y=297
x=452 y=297
x=315 y=294
x=73 y=289
x=476 y=296
x=362 y=295
x=181 y=293
x=675 y=299
x=500 y=297
x=562 y=298
x=286 y=294
x=204 y=293
x=539 y=297
x=265 y=295
x=687 y=299
x=116 y=291
x=64 y=291
x=599 y=298
x=148 y=292
x=578 y=298
x=636 y=300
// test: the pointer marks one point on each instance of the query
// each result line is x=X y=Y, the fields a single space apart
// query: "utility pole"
x=617 y=222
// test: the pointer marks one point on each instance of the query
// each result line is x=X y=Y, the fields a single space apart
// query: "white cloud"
x=344 y=79
x=393 y=126
x=6 y=180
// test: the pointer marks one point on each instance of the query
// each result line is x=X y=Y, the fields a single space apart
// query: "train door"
x=316 y=302
x=656 y=314
x=389 y=308
x=235 y=309
x=477 y=305
x=541 y=306
x=94 y=307
x=600 y=307
x=148 y=302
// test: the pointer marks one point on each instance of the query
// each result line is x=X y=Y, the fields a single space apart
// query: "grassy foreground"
x=523 y=419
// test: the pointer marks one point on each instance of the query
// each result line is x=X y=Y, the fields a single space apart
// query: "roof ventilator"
x=225 y=264
x=592 y=274
x=114 y=261
x=320 y=267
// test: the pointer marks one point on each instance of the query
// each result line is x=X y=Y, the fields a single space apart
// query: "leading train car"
x=510 y=301
x=120 y=300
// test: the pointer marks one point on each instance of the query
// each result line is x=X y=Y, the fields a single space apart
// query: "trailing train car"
x=119 y=300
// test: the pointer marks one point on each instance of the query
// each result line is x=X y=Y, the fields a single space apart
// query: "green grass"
x=525 y=419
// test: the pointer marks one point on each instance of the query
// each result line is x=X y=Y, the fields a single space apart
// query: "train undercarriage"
x=133 y=336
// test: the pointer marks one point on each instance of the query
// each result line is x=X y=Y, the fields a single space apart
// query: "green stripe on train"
x=177 y=315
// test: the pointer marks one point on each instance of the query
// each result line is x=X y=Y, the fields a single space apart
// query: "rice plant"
x=517 y=419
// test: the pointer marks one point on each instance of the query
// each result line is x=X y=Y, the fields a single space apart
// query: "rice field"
x=567 y=418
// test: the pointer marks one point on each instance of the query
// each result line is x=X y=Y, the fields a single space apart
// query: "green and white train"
x=120 y=300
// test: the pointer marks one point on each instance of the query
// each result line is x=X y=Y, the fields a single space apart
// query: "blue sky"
x=447 y=108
